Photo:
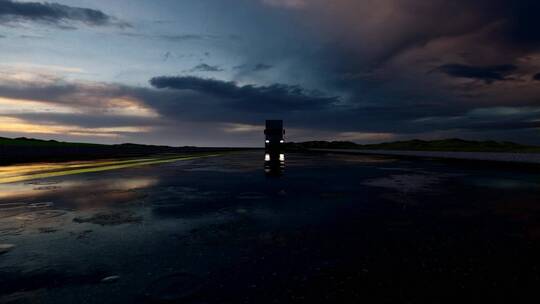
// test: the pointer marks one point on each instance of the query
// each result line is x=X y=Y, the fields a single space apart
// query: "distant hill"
x=22 y=149
x=23 y=141
x=321 y=145
x=452 y=144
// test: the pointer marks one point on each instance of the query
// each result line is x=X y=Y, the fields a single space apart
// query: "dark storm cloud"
x=381 y=55
x=259 y=67
x=487 y=119
x=511 y=25
x=203 y=67
x=488 y=74
x=362 y=36
x=175 y=98
x=59 y=14
x=504 y=125
x=262 y=67
x=166 y=56
x=207 y=102
x=275 y=98
x=522 y=22
x=52 y=92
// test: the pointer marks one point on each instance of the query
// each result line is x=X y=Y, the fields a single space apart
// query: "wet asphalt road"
x=316 y=229
x=523 y=158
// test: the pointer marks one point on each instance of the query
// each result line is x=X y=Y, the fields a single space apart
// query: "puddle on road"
x=407 y=183
x=76 y=192
x=39 y=215
x=5 y=248
x=364 y=159
x=109 y=218
x=22 y=210
x=25 y=209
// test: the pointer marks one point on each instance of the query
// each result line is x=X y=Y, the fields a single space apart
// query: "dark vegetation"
x=453 y=144
x=18 y=150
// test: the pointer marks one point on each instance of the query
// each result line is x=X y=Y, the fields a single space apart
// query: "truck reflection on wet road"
x=274 y=163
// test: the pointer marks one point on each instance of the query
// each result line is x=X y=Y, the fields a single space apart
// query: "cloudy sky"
x=209 y=72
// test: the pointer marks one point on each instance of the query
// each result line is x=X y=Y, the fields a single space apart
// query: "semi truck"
x=274 y=132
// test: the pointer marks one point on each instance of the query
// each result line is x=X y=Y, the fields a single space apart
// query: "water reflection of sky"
x=75 y=190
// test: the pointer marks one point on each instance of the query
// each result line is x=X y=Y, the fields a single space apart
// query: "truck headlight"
x=281 y=141
x=267 y=141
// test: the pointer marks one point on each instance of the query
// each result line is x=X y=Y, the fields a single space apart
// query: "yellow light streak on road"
x=99 y=167
x=17 y=170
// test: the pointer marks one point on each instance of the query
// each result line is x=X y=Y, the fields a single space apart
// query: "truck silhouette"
x=274 y=133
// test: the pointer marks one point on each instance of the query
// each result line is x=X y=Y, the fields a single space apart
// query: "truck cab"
x=274 y=133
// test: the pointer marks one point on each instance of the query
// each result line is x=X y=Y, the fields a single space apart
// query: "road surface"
x=302 y=228
x=526 y=158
